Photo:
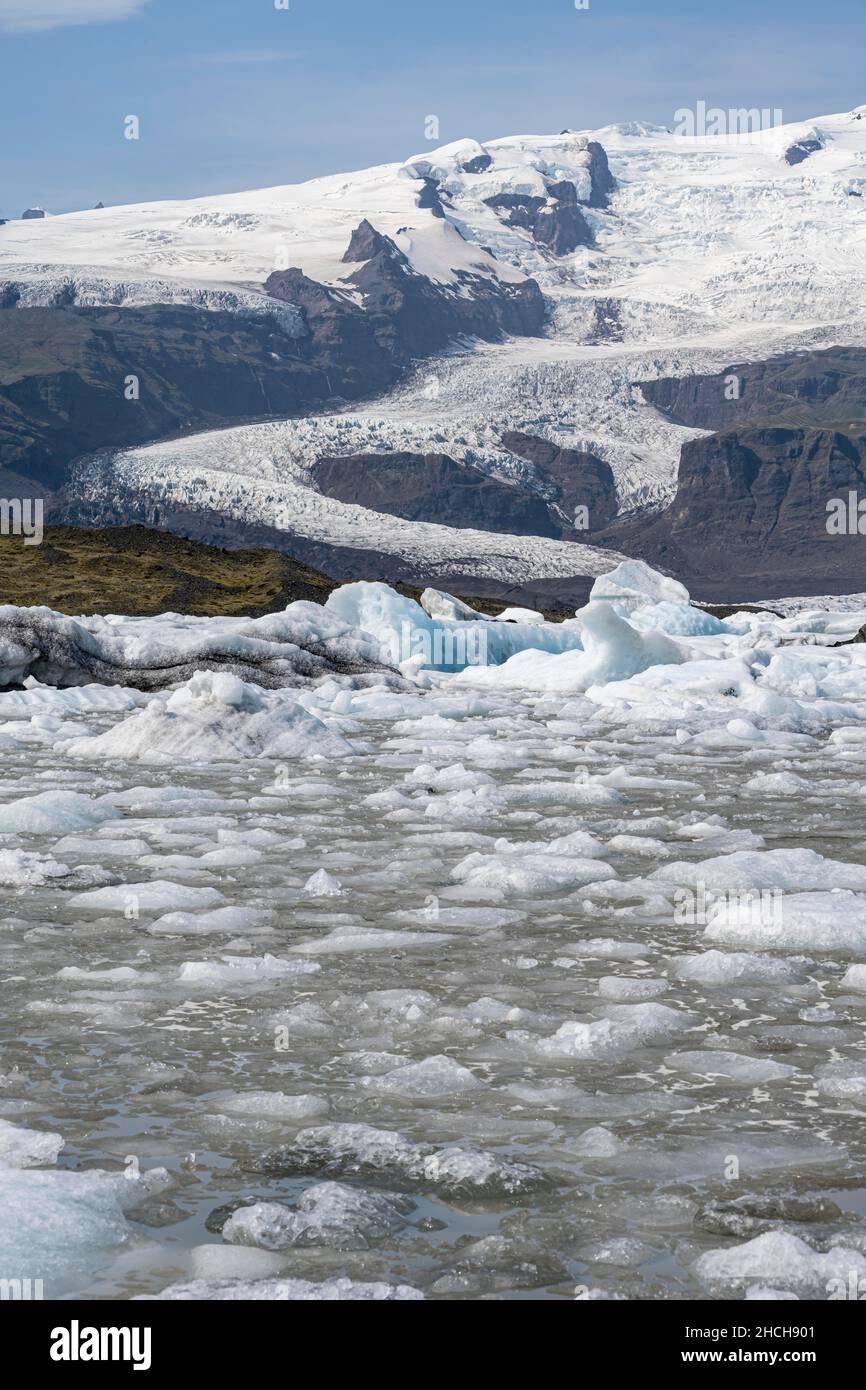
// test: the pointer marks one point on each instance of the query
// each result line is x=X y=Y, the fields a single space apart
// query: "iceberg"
x=305 y=641
x=634 y=584
x=445 y=637
x=216 y=717
x=613 y=650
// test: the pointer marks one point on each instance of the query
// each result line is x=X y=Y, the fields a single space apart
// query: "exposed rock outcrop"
x=556 y=222
x=762 y=510
x=801 y=388
x=195 y=369
x=403 y=314
x=580 y=479
x=434 y=487
x=603 y=181
x=804 y=148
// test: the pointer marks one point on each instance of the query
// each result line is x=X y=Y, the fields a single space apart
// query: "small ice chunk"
x=327 y=1214
x=779 y=1258
x=27 y=1148
x=53 y=813
x=596 y=1143
x=833 y=921
x=21 y=870
x=735 y=967
x=287 y=1291
x=758 y=870
x=622 y=988
x=352 y=939
x=631 y=1026
x=233 y=1262
x=634 y=584
x=322 y=885
x=231 y=920
x=426 y=1080
x=242 y=970
x=843 y=1081
x=274 y=1105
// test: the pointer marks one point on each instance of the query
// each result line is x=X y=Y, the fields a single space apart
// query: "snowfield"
x=541 y=978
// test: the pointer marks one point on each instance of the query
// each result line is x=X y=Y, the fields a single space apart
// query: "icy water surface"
x=523 y=1074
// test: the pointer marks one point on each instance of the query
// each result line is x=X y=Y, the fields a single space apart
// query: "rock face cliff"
x=827 y=387
x=753 y=514
x=758 y=503
x=434 y=487
x=67 y=388
x=579 y=480
x=572 y=496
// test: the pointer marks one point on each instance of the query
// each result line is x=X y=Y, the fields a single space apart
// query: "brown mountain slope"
x=130 y=569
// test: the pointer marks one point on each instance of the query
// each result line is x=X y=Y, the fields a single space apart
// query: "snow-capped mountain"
x=524 y=286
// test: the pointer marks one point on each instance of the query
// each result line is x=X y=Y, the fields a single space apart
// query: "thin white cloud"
x=29 y=16
x=241 y=56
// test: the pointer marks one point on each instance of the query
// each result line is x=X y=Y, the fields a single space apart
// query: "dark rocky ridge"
x=603 y=181
x=63 y=374
x=413 y=316
x=434 y=487
x=826 y=387
x=556 y=222
x=750 y=515
x=801 y=150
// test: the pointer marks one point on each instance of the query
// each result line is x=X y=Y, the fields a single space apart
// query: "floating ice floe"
x=54 y=813
x=275 y=1105
x=155 y=896
x=429 y=1079
x=322 y=885
x=628 y=1027
x=843 y=1081
x=780 y=1259
x=730 y=1067
x=352 y=939
x=27 y=1148
x=63 y=1227
x=523 y=870
x=288 y=1291
x=634 y=584
x=21 y=870
x=736 y=968
x=832 y=921
x=787 y=870
x=344 y=1150
x=243 y=970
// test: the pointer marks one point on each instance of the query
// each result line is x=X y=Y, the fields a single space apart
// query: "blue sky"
x=235 y=94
